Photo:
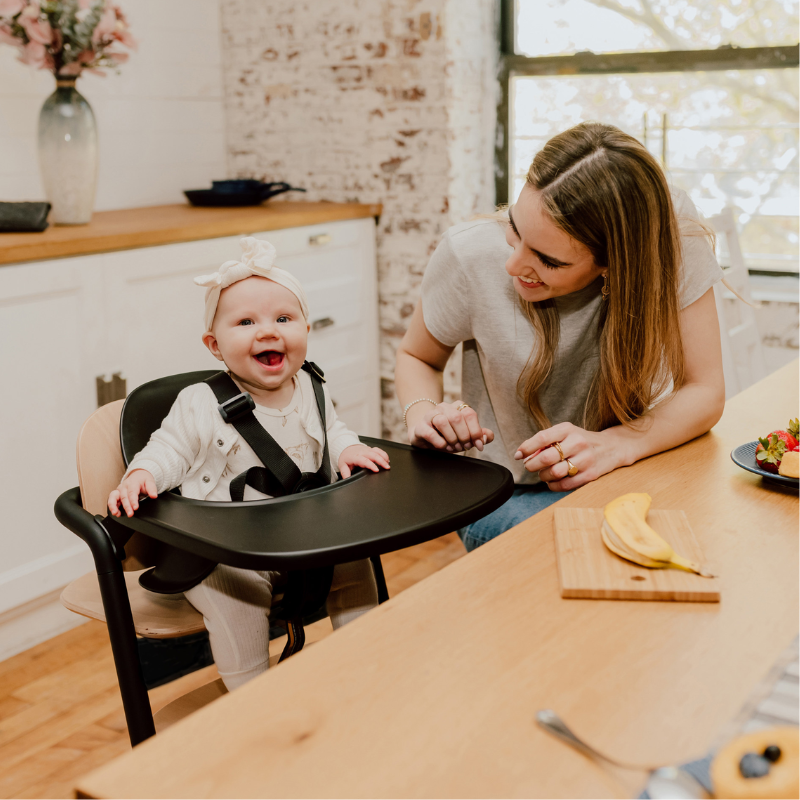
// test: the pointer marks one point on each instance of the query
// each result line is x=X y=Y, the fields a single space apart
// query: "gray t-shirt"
x=467 y=296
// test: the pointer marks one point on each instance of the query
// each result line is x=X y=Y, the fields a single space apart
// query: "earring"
x=605 y=291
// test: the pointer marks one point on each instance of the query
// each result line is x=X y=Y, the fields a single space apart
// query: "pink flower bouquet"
x=66 y=36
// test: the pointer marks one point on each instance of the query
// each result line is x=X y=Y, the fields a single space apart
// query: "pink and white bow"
x=258 y=258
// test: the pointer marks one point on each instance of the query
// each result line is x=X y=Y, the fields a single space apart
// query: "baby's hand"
x=140 y=481
x=359 y=455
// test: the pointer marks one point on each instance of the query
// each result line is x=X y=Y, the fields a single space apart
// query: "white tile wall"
x=160 y=120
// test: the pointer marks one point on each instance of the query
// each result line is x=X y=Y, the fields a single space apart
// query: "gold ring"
x=573 y=470
x=558 y=447
x=463 y=405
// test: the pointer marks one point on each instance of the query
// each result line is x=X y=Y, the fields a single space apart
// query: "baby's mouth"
x=270 y=358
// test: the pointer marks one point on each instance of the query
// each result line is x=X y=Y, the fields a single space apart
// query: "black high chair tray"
x=425 y=494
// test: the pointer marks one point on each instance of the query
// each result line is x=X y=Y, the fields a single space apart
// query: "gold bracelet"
x=413 y=403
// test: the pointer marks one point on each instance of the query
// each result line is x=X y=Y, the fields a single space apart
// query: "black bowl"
x=744 y=456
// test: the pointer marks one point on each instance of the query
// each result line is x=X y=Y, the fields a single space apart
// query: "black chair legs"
x=117 y=606
x=380 y=579
x=135 y=700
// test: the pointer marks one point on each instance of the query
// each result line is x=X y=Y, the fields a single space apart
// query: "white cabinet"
x=46 y=356
x=64 y=322
x=155 y=311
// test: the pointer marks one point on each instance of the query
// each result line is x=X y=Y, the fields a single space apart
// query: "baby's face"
x=260 y=333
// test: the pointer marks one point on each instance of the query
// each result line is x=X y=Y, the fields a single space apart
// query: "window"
x=709 y=86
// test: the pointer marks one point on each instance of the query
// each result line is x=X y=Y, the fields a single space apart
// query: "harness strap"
x=240 y=415
x=317 y=379
x=306 y=591
x=279 y=475
x=295 y=638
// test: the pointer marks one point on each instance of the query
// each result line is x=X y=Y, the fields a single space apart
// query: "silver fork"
x=664 y=782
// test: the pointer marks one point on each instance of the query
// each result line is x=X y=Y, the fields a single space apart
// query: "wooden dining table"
x=434 y=693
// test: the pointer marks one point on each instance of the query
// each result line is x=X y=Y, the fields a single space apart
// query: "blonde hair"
x=604 y=189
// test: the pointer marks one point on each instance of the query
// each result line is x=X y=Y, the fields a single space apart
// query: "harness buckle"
x=232 y=409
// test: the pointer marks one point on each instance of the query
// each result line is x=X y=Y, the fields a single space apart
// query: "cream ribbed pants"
x=235 y=605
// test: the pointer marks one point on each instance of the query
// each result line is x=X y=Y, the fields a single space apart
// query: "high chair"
x=155 y=616
x=425 y=494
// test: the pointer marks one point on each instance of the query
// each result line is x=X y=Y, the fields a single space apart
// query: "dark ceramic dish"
x=744 y=456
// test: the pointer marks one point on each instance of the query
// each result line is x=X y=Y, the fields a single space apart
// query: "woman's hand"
x=359 y=455
x=591 y=454
x=140 y=481
x=453 y=427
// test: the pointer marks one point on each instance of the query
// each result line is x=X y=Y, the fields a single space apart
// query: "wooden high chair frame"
x=112 y=593
x=425 y=495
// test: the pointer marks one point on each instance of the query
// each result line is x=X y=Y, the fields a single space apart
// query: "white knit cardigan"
x=191 y=447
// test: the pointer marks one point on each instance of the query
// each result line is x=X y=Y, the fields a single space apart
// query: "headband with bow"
x=258 y=258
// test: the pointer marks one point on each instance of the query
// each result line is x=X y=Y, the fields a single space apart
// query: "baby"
x=256 y=320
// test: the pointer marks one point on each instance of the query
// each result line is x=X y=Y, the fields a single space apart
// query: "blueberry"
x=772 y=753
x=753 y=765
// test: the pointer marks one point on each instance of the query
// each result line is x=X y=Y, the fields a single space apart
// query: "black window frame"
x=725 y=57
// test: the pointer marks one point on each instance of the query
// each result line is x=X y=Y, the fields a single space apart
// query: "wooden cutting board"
x=587 y=568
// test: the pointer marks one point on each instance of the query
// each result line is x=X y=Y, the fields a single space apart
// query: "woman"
x=597 y=345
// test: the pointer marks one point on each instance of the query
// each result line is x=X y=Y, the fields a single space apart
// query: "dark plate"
x=744 y=456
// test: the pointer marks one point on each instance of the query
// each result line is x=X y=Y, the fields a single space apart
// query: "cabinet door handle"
x=318 y=239
x=319 y=324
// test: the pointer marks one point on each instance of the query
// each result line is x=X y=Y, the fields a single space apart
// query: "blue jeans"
x=525 y=502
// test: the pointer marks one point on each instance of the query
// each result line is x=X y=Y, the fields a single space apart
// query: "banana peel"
x=626 y=533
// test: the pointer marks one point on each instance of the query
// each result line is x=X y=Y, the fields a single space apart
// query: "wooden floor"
x=60 y=708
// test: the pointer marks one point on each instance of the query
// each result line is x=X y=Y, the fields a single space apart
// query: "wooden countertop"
x=434 y=693
x=153 y=225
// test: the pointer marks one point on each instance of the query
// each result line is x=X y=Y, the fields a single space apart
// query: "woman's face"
x=546 y=261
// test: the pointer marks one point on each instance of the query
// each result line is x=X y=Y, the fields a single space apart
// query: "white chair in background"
x=743 y=360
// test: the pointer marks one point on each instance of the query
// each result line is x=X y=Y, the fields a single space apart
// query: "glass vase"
x=68 y=154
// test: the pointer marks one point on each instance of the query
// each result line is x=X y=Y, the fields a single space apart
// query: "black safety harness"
x=279 y=476
x=306 y=590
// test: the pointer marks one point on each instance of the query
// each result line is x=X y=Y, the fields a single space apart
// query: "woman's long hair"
x=604 y=189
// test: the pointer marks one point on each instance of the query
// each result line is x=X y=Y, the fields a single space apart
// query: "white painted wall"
x=161 y=128
x=160 y=120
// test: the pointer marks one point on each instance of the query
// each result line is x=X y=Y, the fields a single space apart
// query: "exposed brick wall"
x=384 y=101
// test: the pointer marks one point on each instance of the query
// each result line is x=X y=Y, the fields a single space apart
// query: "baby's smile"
x=271 y=359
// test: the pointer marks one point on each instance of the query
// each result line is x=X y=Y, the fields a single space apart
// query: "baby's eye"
x=246 y=322
x=283 y=318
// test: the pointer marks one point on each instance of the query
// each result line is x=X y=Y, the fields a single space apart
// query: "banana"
x=626 y=533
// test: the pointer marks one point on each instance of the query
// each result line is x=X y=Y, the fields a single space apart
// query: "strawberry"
x=789 y=439
x=770 y=450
